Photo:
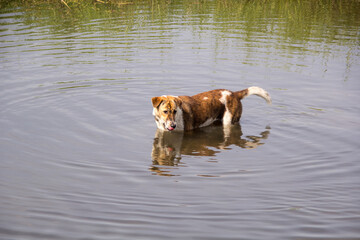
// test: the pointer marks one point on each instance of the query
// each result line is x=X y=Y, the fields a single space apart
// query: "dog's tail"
x=254 y=91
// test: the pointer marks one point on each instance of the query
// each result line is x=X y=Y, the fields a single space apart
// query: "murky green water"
x=80 y=154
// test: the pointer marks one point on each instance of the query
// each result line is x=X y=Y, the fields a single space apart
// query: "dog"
x=185 y=113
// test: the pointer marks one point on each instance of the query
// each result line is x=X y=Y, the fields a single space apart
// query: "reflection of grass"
x=115 y=3
x=80 y=86
x=273 y=28
x=299 y=20
x=286 y=24
x=66 y=13
x=316 y=109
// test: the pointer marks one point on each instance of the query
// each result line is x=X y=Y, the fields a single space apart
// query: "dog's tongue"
x=170 y=128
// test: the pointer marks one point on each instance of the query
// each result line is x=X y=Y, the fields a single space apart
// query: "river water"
x=80 y=156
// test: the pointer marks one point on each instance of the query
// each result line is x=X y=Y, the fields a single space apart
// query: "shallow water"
x=80 y=154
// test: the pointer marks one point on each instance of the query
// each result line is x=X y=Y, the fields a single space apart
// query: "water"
x=80 y=154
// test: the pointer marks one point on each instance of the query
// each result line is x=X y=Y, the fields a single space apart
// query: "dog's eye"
x=174 y=111
x=165 y=112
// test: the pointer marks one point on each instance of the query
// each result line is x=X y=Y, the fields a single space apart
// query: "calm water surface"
x=80 y=156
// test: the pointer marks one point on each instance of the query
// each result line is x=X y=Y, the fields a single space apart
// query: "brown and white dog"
x=186 y=113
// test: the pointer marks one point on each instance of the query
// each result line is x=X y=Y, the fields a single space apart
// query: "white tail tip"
x=259 y=92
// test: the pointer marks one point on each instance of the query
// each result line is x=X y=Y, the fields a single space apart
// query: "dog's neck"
x=179 y=119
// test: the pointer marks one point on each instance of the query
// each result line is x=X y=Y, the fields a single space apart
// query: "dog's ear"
x=156 y=101
x=178 y=102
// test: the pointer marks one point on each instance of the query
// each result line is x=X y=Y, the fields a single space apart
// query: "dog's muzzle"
x=171 y=127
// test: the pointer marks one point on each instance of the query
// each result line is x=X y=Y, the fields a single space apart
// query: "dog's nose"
x=173 y=125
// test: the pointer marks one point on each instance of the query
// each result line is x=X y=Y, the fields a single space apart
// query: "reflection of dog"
x=169 y=146
x=185 y=113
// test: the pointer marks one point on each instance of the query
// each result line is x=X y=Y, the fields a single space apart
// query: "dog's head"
x=165 y=110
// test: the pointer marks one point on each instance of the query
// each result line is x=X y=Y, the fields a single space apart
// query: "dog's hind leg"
x=234 y=107
x=233 y=110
